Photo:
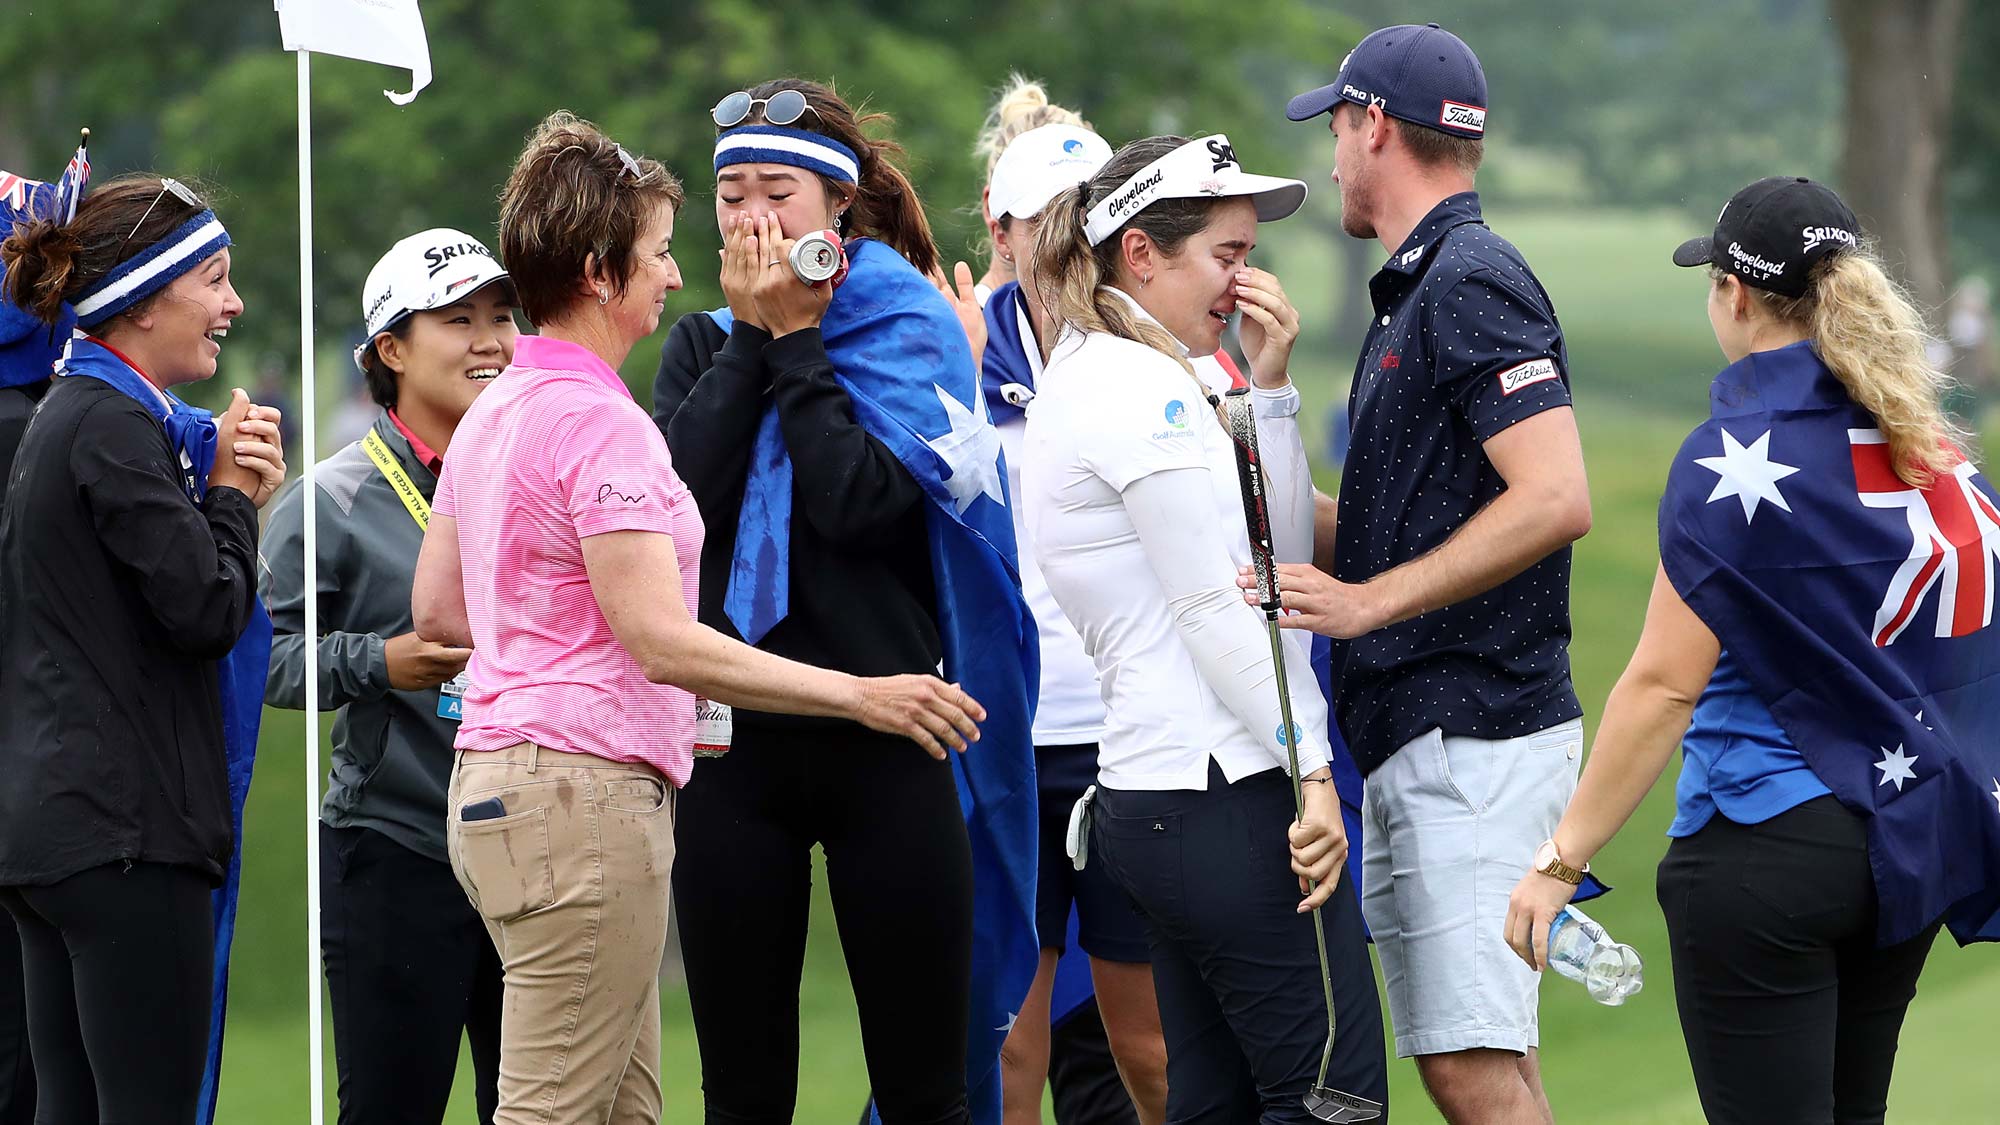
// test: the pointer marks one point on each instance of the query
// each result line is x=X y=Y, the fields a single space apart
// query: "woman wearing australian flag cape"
x=853 y=489
x=1821 y=645
x=134 y=652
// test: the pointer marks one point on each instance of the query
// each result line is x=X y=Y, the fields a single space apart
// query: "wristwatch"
x=1549 y=863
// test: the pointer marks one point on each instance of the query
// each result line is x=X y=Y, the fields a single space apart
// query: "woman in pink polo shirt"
x=563 y=549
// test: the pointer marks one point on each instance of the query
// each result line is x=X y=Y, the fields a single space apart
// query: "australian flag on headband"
x=1861 y=609
x=902 y=356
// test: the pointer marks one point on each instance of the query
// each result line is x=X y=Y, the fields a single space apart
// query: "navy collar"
x=1451 y=211
x=1789 y=378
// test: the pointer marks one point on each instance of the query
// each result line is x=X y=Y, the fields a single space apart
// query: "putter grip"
x=1242 y=422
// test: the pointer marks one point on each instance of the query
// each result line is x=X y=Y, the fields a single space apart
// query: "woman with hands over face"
x=790 y=415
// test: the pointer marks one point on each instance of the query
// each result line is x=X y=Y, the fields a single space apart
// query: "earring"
x=603 y=295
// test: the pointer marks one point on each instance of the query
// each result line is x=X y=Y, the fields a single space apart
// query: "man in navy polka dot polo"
x=1462 y=491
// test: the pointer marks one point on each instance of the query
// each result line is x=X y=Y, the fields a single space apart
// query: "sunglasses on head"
x=781 y=108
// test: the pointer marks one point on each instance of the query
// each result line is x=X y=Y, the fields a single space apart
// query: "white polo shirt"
x=1109 y=412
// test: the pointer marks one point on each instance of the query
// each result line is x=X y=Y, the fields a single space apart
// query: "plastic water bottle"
x=1580 y=950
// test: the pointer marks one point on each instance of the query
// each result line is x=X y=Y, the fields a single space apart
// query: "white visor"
x=1039 y=165
x=1203 y=168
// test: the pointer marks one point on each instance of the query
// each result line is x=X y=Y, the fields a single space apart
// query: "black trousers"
x=899 y=867
x=1234 y=963
x=118 y=960
x=17 y=1067
x=409 y=967
x=1790 y=1011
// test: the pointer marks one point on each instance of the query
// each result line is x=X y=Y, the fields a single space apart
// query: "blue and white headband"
x=152 y=270
x=776 y=144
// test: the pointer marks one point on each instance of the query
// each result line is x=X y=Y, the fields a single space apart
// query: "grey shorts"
x=1449 y=825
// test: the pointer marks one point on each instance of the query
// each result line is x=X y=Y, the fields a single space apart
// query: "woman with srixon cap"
x=1820 y=646
x=1133 y=505
x=409 y=965
x=1032 y=169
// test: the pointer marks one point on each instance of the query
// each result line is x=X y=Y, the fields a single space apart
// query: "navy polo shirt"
x=1464 y=344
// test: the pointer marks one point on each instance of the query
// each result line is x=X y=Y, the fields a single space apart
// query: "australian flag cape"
x=241 y=675
x=28 y=348
x=1861 y=609
x=901 y=355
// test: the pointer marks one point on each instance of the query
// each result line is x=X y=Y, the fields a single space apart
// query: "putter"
x=1323 y=1102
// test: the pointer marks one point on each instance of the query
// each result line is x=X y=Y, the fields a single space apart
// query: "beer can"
x=819 y=257
x=714 y=726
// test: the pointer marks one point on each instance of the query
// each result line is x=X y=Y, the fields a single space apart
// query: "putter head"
x=1328 y=1104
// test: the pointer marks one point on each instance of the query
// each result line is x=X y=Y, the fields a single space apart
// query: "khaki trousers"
x=572 y=880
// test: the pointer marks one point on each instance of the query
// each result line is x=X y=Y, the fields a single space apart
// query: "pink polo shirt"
x=553 y=452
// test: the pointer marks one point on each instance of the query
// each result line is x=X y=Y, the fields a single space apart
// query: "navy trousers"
x=1233 y=961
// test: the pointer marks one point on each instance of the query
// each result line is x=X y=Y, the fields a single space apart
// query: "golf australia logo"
x=1525 y=374
x=1176 y=414
x=1816 y=235
x=1458 y=115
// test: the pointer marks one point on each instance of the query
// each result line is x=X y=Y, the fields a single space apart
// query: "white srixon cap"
x=1206 y=167
x=1039 y=164
x=428 y=270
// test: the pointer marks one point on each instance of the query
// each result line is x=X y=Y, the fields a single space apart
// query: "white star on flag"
x=1996 y=790
x=971 y=449
x=1747 y=473
x=1009 y=1025
x=1895 y=766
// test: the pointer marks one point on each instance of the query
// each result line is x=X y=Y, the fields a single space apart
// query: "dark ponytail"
x=885 y=204
x=50 y=263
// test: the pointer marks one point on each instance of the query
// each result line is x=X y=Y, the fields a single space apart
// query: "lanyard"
x=392 y=471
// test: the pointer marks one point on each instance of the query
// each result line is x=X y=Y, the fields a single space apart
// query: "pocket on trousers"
x=1143 y=855
x=636 y=796
x=507 y=867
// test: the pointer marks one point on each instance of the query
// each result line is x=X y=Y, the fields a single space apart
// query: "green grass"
x=1641 y=356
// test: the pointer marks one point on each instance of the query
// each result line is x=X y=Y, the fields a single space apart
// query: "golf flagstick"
x=1323 y=1103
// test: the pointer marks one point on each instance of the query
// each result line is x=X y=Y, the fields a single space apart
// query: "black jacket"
x=117 y=598
x=17 y=405
x=862 y=597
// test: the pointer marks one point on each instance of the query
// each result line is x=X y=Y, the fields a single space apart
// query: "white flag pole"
x=307 y=429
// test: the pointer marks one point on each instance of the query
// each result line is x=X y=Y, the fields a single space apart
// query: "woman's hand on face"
x=965 y=302
x=785 y=303
x=1270 y=326
x=740 y=264
x=249 y=455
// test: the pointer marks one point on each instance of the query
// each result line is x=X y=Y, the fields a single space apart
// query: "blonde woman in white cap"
x=1023 y=106
x=1136 y=518
x=1034 y=168
x=408 y=961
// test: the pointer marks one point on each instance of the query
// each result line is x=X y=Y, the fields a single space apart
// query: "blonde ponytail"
x=1868 y=332
x=1022 y=105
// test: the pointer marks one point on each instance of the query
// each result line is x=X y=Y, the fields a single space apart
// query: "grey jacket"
x=391 y=751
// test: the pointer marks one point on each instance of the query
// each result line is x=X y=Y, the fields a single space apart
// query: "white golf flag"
x=383 y=31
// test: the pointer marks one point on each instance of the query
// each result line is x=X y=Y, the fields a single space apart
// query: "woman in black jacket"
x=127 y=571
x=860 y=597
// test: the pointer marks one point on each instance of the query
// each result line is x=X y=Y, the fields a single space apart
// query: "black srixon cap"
x=1773 y=232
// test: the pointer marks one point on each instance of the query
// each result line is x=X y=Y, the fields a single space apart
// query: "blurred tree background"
x=1617 y=130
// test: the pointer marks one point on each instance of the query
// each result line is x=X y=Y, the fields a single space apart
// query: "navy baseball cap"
x=1421 y=74
x=1772 y=233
